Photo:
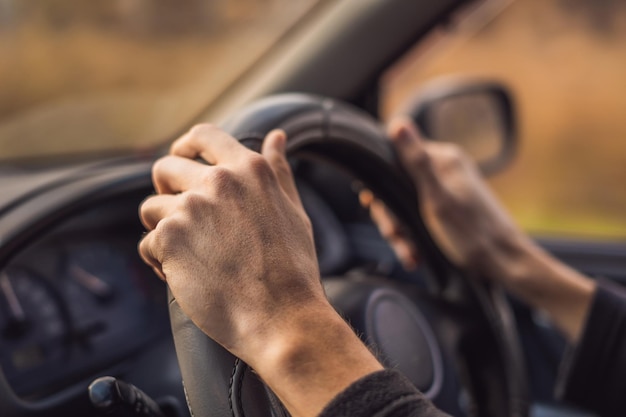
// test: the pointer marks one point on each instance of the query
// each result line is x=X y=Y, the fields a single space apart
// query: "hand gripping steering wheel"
x=485 y=344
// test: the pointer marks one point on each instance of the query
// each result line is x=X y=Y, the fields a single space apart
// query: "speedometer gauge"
x=33 y=323
x=105 y=295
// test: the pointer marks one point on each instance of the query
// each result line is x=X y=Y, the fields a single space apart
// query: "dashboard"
x=77 y=300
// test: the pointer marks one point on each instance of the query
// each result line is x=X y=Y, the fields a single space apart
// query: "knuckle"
x=259 y=166
x=168 y=233
x=145 y=218
x=159 y=166
x=221 y=179
x=220 y=174
x=453 y=154
x=194 y=203
x=159 y=173
x=144 y=207
x=446 y=159
x=145 y=250
x=202 y=129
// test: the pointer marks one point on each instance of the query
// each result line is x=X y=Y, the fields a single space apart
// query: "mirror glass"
x=474 y=121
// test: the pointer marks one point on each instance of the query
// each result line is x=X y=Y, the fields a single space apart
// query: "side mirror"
x=476 y=115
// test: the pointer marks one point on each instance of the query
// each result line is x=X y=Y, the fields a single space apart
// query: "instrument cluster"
x=76 y=302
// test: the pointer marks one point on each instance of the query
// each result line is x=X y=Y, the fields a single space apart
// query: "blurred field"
x=116 y=74
x=82 y=76
x=566 y=63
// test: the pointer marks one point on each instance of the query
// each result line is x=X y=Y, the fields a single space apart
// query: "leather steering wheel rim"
x=340 y=134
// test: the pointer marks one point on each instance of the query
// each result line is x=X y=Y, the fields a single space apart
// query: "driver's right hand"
x=476 y=233
x=464 y=217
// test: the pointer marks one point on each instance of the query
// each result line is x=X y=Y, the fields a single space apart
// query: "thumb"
x=412 y=150
x=274 y=152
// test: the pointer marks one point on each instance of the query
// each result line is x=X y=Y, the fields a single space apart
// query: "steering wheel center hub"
x=404 y=339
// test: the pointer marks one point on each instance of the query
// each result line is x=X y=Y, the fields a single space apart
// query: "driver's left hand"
x=235 y=246
x=232 y=226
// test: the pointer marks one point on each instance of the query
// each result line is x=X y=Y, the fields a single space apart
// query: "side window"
x=565 y=63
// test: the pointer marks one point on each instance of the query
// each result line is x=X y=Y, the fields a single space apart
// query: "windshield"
x=92 y=76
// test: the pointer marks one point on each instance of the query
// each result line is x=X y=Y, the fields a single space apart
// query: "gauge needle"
x=96 y=286
x=17 y=320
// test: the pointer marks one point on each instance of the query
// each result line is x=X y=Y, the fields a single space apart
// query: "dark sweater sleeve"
x=382 y=394
x=593 y=374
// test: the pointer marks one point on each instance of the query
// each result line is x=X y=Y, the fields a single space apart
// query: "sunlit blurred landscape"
x=566 y=63
x=81 y=76
x=102 y=75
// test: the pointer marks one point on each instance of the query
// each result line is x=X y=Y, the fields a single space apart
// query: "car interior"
x=77 y=303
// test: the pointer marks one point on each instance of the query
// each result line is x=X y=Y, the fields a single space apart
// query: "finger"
x=273 y=150
x=209 y=142
x=405 y=253
x=154 y=208
x=387 y=224
x=174 y=174
x=411 y=149
x=394 y=232
x=147 y=253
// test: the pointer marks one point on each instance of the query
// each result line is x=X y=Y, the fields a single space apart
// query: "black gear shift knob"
x=116 y=398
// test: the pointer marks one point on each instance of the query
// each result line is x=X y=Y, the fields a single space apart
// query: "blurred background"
x=101 y=75
x=565 y=62
x=83 y=76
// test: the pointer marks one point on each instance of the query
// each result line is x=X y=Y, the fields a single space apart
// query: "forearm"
x=592 y=374
x=550 y=286
x=311 y=359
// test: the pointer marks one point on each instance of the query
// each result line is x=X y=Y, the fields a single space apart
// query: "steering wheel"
x=479 y=329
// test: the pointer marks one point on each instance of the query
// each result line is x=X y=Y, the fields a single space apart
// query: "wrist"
x=509 y=259
x=312 y=358
x=547 y=284
x=520 y=264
